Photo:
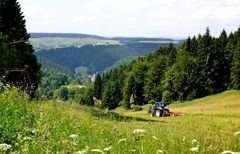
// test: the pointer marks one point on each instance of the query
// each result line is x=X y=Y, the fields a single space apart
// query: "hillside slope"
x=227 y=103
x=97 y=57
x=223 y=104
x=61 y=127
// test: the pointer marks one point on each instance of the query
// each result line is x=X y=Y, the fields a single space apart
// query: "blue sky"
x=148 y=18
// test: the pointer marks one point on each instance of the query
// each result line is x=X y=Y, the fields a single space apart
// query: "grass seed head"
x=155 y=138
x=236 y=133
x=107 y=149
x=97 y=150
x=122 y=140
x=229 y=152
x=159 y=151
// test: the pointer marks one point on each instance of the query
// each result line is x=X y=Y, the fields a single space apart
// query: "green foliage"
x=235 y=70
x=14 y=44
x=129 y=90
x=111 y=95
x=81 y=70
x=17 y=117
x=50 y=65
x=51 y=81
x=7 y=54
x=136 y=107
x=98 y=86
x=201 y=66
x=89 y=97
x=62 y=93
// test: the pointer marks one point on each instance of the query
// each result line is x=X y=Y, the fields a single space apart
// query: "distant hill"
x=95 y=57
x=64 y=35
x=48 y=64
x=91 y=53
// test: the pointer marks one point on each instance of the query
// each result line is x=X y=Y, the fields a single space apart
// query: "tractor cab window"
x=159 y=104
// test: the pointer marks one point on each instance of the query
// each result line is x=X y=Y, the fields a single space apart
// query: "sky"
x=142 y=18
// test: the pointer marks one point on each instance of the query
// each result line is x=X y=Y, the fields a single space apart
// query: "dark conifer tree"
x=129 y=89
x=224 y=59
x=7 y=55
x=235 y=70
x=98 y=86
x=12 y=24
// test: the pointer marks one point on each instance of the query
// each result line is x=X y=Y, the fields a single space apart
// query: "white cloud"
x=232 y=2
x=117 y=5
x=132 y=17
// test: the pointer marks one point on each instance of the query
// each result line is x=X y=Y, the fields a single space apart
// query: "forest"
x=96 y=58
x=201 y=66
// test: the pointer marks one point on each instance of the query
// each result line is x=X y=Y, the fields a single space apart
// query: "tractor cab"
x=159 y=104
x=159 y=109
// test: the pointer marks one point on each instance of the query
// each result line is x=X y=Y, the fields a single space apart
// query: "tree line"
x=201 y=66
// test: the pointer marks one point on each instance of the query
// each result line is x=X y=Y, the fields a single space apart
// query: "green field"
x=209 y=125
x=58 y=42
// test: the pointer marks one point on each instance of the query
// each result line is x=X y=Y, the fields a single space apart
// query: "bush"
x=124 y=104
x=136 y=107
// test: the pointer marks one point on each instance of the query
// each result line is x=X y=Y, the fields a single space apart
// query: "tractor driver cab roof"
x=159 y=104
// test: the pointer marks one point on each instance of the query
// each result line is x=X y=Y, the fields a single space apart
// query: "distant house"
x=92 y=77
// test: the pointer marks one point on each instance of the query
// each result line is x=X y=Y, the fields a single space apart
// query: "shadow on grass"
x=113 y=116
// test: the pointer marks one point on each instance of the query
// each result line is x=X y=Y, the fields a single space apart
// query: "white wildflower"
x=230 y=152
x=73 y=136
x=5 y=146
x=34 y=131
x=136 y=131
x=122 y=140
x=74 y=143
x=194 y=149
x=194 y=141
x=97 y=150
x=107 y=149
x=155 y=138
x=237 y=133
x=159 y=151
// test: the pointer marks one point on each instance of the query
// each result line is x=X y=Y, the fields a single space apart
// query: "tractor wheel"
x=158 y=113
x=151 y=114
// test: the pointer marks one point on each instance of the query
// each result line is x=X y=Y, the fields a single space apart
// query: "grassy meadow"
x=58 y=42
x=209 y=125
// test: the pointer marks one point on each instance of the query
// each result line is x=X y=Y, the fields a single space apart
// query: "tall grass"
x=60 y=127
